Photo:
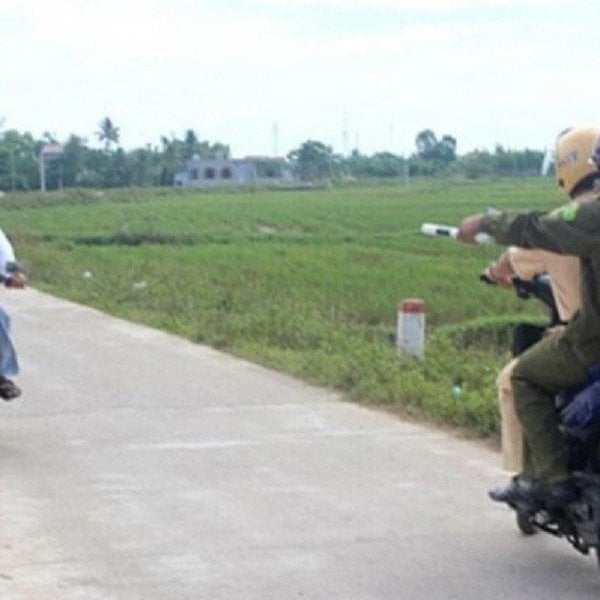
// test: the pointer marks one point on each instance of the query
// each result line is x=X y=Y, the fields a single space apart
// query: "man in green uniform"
x=562 y=360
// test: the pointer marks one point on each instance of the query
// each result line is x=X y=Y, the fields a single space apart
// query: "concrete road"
x=139 y=465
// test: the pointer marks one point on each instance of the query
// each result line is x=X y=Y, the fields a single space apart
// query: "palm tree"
x=108 y=133
x=191 y=143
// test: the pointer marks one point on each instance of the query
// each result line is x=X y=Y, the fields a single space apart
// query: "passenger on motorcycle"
x=559 y=361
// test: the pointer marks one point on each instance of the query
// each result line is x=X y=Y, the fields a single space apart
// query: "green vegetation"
x=304 y=281
x=80 y=166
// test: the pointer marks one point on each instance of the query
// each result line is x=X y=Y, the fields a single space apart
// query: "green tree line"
x=432 y=158
x=80 y=165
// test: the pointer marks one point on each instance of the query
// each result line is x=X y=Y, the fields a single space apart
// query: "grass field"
x=304 y=281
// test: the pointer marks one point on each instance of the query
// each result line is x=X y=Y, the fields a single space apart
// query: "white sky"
x=514 y=72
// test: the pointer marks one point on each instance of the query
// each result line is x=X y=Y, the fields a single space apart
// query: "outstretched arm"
x=572 y=229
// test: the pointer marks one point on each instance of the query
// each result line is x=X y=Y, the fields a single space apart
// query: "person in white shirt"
x=13 y=277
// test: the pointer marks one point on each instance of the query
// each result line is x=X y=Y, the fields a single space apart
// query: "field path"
x=141 y=466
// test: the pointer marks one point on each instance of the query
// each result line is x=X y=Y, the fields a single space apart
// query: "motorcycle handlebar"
x=538 y=287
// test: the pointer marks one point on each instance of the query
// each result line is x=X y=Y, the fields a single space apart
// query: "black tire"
x=525 y=524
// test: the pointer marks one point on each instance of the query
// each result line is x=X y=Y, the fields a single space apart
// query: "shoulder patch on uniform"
x=568 y=212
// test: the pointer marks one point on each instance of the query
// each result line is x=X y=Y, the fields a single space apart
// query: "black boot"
x=8 y=389
x=560 y=493
x=518 y=491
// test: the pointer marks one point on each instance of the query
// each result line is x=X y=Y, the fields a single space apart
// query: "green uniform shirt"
x=572 y=229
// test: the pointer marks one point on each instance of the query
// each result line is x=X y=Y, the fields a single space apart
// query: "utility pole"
x=50 y=150
x=13 y=173
x=345 y=135
x=42 y=172
x=275 y=139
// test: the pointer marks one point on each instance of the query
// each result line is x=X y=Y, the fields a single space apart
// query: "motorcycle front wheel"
x=526 y=526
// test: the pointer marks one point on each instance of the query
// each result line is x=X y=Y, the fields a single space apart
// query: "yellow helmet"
x=573 y=157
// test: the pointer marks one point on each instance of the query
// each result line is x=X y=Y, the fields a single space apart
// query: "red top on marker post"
x=412 y=305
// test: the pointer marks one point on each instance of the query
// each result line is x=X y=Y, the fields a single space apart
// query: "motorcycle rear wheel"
x=526 y=526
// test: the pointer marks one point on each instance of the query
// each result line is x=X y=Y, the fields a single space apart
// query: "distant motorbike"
x=579 y=411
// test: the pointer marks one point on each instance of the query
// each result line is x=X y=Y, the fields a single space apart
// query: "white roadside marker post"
x=410 y=333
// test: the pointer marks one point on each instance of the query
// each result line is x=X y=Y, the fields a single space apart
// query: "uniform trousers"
x=539 y=374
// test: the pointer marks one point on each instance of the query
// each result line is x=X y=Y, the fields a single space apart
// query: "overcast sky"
x=264 y=76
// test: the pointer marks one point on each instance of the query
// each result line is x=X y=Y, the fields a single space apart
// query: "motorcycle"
x=579 y=415
x=579 y=412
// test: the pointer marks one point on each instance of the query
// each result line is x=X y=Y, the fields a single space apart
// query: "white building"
x=200 y=172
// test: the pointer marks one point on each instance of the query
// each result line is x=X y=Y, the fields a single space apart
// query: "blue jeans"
x=8 y=355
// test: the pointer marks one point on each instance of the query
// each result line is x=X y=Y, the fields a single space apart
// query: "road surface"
x=138 y=465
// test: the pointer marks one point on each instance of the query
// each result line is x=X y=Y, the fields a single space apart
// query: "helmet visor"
x=595 y=157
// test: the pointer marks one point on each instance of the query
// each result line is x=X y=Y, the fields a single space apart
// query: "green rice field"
x=305 y=281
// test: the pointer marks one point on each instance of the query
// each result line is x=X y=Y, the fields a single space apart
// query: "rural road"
x=141 y=466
